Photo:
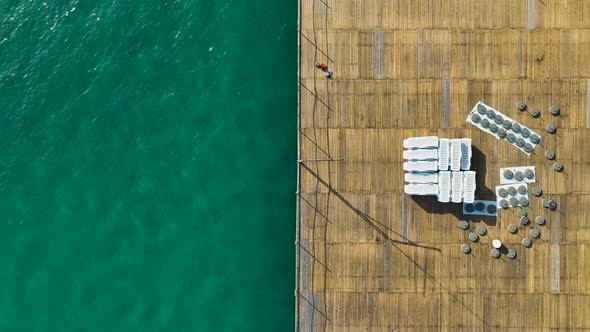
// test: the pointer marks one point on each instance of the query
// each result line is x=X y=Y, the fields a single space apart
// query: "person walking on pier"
x=324 y=68
x=321 y=66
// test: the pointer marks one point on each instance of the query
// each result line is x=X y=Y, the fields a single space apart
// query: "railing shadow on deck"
x=373 y=223
x=396 y=244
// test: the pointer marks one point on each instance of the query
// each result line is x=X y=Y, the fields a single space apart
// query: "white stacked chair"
x=456 y=187
x=421 y=177
x=469 y=186
x=443 y=154
x=444 y=186
x=455 y=155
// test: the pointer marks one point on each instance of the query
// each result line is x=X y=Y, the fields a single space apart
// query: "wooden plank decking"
x=370 y=258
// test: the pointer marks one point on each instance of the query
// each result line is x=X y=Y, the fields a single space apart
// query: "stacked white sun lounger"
x=421 y=177
x=421 y=166
x=421 y=188
x=443 y=154
x=444 y=186
x=469 y=186
x=455 y=155
x=421 y=142
x=456 y=187
x=421 y=154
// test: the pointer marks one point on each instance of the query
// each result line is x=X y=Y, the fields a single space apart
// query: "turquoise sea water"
x=147 y=165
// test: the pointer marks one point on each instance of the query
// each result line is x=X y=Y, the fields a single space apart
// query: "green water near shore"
x=147 y=165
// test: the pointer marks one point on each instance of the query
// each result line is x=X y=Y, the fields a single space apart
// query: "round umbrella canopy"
x=463 y=224
x=511 y=191
x=497 y=244
x=482 y=230
x=515 y=127
x=465 y=248
x=512 y=229
x=481 y=109
x=527 y=242
x=491 y=114
x=495 y=253
x=504 y=204
x=502 y=192
x=511 y=254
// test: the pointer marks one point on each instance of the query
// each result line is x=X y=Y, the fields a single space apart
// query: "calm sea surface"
x=147 y=165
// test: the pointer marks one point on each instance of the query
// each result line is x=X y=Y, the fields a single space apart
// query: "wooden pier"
x=370 y=258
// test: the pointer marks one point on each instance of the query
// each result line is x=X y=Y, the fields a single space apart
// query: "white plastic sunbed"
x=421 y=189
x=455 y=155
x=443 y=154
x=421 y=177
x=421 y=142
x=444 y=186
x=456 y=187
x=421 y=154
x=469 y=186
x=420 y=166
